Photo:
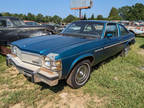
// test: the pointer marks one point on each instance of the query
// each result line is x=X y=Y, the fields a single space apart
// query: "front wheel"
x=125 y=51
x=80 y=74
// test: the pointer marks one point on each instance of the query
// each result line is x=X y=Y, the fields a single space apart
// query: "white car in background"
x=136 y=30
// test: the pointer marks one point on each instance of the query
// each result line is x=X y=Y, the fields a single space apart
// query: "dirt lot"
x=118 y=83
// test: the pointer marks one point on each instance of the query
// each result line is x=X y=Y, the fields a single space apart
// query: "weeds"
x=120 y=83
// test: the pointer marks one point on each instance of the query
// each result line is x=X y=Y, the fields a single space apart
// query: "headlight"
x=56 y=65
x=39 y=34
x=47 y=62
x=14 y=50
x=42 y=34
x=51 y=63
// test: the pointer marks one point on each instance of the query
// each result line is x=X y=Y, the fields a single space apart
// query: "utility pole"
x=80 y=4
x=80 y=14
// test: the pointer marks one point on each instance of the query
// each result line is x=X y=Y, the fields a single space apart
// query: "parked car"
x=31 y=23
x=71 y=54
x=135 y=27
x=12 y=29
x=136 y=30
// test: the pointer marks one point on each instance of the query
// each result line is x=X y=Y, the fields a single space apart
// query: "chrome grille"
x=29 y=57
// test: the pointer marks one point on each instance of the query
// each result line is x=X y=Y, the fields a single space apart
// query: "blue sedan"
x=70 y=54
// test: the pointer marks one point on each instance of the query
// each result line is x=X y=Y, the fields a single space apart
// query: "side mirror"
x=108 y=35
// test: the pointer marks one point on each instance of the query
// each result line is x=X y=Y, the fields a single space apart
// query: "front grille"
x=29 y=58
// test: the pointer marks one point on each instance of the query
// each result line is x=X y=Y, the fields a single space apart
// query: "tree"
x=135 y=12
x=125 y=12
x=6 y=14
x=57 y=19
x=0 y=14
x=114 y=14
x=47 y=19
x=30 y=16
x=85 y=17
x=70 y=19
x=21 y=16
x=39 y=18
x=92 y=17
x=138 y=10
x=99 y=17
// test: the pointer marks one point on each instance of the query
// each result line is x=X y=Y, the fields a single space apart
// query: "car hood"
x=48 y=44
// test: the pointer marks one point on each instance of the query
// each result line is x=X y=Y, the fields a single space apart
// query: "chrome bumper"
x=36 y=73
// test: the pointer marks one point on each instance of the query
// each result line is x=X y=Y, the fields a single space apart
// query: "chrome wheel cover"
x=82 y=74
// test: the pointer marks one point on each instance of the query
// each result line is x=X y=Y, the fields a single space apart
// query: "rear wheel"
x=125 y=51
x=80 y=74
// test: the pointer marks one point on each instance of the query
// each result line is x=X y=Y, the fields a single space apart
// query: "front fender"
x=78 y=59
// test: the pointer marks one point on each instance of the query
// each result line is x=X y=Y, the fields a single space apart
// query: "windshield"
x=18 y=22
x=85 y=28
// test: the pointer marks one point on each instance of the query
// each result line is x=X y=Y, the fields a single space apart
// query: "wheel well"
x=90 y=58
x=87 y=58
x=131 y=42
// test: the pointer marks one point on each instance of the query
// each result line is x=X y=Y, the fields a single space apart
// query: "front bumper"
x=36 y=73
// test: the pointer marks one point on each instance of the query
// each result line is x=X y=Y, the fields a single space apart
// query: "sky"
x=61 y=7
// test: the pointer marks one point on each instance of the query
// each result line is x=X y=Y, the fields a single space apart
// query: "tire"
x=125 y=51
x=80 y=74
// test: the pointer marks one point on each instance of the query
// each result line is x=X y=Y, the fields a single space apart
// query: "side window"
x=3 y=23
x=93 y=29
x=74 y=28
x=9 y=24
x=88 y=28
x=112 y=29
x=123 y=31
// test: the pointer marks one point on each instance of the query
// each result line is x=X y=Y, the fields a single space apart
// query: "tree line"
x=131 y=13
x=135 y=12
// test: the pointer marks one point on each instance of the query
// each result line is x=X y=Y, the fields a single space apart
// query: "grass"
x=121 y=80
x=2 y=58
x=118 y=83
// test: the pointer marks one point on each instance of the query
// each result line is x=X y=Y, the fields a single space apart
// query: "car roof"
x=8 y=17
x=96 y=21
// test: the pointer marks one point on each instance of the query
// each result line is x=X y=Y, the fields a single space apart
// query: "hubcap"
x=82 y=74
x=126 y=50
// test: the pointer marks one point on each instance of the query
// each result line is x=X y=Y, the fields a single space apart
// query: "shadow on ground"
x=62 y=83
x=56 y=88
x=140 y=36
x=142 y=46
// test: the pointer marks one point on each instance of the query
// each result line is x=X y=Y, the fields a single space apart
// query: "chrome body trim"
x=30 y=58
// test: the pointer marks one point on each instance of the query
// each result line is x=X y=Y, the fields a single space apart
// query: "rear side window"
x=112 y=29
x=123 y=31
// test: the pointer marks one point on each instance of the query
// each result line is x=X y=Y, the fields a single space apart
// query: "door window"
x=9 y=24
x=112 y=29
x=2 y=23
x=123 y=31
